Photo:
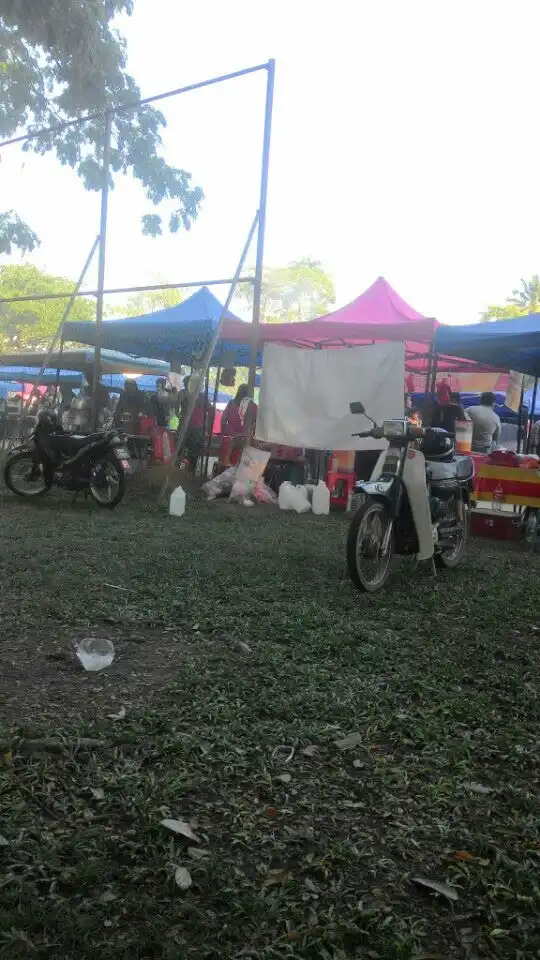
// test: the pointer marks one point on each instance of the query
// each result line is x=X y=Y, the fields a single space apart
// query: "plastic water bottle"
x=321 y=499
x=177 y=503
x=498 y=498
x=95 y=653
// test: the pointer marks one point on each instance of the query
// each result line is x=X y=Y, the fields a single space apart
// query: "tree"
x=30 y=324
x=64 y=59
x=300 y=291
x=523 y=301
x=147 y=302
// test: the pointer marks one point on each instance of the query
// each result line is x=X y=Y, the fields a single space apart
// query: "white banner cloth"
x=305 y=394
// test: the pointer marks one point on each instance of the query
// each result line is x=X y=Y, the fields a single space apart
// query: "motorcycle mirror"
x=357 y=407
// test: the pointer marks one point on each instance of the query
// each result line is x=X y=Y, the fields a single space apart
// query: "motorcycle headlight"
x=394 y=428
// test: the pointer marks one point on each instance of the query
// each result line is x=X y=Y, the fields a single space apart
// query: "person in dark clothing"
x=129 y=407
x=450 y=412
x=160 y=403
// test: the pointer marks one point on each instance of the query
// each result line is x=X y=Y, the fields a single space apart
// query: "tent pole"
x=531 y=415
x=265 y=161
x=101 y=263
x=520 y=416
x=47 y=358
x=184 y=426
x=211 y=431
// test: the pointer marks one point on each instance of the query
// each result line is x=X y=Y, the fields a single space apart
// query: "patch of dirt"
x=45 y=680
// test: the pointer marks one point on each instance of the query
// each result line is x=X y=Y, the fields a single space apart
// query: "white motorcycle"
x=417 y=506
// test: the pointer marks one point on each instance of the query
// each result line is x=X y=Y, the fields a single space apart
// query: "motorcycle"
x=96 y=464
x=417 y=506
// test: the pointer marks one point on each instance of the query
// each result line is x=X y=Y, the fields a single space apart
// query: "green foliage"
x=300 y=291
x=32 y=324
x=15 y=234
x=63 y=59
x=147 y=302
x=524 y=300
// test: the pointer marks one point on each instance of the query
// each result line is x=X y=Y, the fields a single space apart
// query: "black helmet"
x=438 y=444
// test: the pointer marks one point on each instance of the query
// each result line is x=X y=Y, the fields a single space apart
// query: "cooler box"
x=490 y=523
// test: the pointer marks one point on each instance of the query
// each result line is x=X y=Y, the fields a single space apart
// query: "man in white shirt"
x=486 y=424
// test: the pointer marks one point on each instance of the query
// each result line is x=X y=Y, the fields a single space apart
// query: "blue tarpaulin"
x=502 y=344
x=68 y=378
x=176 y=334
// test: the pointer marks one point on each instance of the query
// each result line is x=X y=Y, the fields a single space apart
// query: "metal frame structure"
x=107 y=116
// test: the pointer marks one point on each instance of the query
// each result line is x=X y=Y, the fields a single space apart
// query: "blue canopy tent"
x=68 y=378
x=177 y=334
x=80 y=360
x=501 y=344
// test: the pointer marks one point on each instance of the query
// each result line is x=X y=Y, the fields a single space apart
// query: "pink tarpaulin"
x=377 y=314
x=378 y=304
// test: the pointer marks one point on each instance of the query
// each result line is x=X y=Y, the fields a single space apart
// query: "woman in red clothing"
x=237 y=425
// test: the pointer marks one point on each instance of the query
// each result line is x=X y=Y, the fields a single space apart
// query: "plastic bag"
x=293 y=498
x=221 y=485
x=263 y=493
x=248 y=472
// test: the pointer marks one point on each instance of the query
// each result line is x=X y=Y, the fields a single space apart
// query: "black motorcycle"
x=417 y=506
x=96 y=464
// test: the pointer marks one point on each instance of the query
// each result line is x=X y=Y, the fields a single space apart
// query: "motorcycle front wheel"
x=107 y=482
x=23 y=476
x=367 y=563
x=450 y=557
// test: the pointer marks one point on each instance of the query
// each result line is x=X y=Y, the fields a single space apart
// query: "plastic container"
x=95 y=653
x=177 y=503
x=498 y=497
x=464 y=435
x=320 y=503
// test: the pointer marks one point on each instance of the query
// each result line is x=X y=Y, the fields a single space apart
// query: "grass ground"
x=305 y=846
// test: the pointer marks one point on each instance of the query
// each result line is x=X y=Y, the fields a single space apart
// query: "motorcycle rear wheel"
x=20 y=471
x=110 y=492
x=368 y=568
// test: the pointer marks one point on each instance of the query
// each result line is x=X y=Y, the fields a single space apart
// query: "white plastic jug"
x=320 y=503
x=177 y=503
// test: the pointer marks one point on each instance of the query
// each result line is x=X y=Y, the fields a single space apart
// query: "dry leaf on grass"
x=98 y=793
x=310 y=750
x=180 y=827
x=197 y=854
x=241 y=647
x=479 y=788
x=117 y=716
x=442 y=888
x=353 y=740
x=274 y=877
x=182 y=878
x=285 y=777
x=3 y=841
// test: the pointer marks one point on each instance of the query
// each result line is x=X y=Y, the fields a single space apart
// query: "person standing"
x=486 y=424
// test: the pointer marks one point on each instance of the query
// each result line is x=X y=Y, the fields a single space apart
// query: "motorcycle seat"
x=69 y=443
x=464 y=467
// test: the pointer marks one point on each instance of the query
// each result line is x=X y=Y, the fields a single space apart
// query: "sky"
x=404 y=144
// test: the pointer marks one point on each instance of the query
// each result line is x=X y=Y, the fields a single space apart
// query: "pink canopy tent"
x=377 y=314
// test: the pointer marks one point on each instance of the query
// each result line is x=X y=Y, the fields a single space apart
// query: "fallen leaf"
x=349 y=742
x=241 y=646
x=117 y=716
x=310 y=750
x=181 y=827
x=442 y=888
x=464 y=855
x=285 y=777
x=98 y=793
x=5 y=758
x=478 y=788
x=3 y=841
x=358 y=764
x=310 y=885
x=197 y=854
x=182 y=878
x=108 y=896
x=271 y=812
x=274 y=877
